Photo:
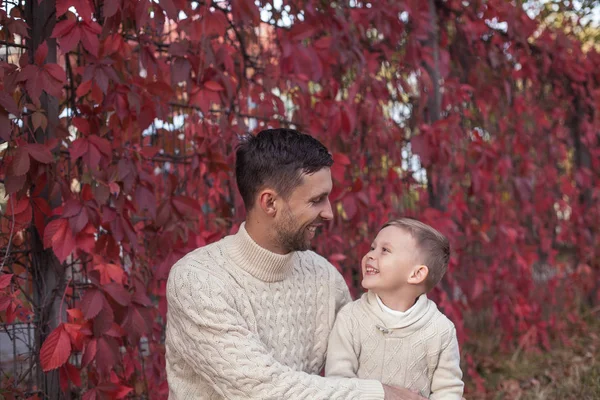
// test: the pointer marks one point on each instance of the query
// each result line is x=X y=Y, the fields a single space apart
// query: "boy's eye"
x=385 y=250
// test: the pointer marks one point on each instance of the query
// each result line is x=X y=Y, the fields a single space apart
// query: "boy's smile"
x=370 y=270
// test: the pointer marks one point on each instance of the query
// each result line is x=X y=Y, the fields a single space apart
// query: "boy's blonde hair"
x=434 y=247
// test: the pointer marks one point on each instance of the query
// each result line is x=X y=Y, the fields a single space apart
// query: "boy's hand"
x=396 y=393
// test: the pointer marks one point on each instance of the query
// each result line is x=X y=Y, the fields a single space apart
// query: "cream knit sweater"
x=418 y=351
x=245 y=323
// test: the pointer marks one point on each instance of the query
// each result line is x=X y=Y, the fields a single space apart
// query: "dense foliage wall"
x=118 y=120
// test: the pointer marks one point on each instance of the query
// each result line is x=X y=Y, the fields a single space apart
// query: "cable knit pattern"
x=245 y=323
x=418 y=351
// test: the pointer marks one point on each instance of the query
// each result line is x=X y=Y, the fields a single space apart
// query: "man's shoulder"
x=202 y=267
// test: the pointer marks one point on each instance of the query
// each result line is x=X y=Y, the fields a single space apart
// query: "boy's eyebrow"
x=386 y=244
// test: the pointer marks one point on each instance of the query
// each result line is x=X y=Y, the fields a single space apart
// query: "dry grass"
x=564 y=372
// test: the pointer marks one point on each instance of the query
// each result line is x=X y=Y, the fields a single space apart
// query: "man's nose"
x=327 y=213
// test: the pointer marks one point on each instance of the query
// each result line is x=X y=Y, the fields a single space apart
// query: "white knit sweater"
x=417 y=351
x=246 y=323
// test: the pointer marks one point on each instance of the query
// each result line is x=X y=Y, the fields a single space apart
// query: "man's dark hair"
x=277 y=158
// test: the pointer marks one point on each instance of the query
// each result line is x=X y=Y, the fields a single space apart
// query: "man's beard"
x=289 y=236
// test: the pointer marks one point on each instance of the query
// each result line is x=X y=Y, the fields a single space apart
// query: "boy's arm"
x=447 y=378
x=342 y=359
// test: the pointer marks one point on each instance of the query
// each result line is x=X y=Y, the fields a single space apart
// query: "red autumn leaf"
x=20 y=162
x=135 y=323
x=145 y=199
x=56 y=72
x=122 y=392
x=40 y=153
x=5 y=302
x=214 y=23
x=5 y=280
x=84 y=9
x=41 y=53
x=13 y=183
x=75 y=313
x=82 y=90
x=50 y=231
x=78 y=148
x=102 y=144
x=214 y=86
x=90 y=31
x=62 y=239
x=118 y=293
x=16 y=207
x=245 y=12
x=140 y=298
x=111 y=7
x=92 y=302
x=56 y=349
x=170 y=9
x=107 y=353
x=92 y=394
x=8 y=103
x=186 y=205
x=341 y=159
x=109 y=273
x=5 y=126
x=104 y=320
x=89 y=353
x=337 y=257
x=86 y=238
x=73 y=374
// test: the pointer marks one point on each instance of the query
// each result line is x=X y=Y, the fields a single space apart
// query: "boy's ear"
x=266 y=201
x=418 y=274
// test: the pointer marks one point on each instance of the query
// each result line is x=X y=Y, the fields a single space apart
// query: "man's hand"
x=396 y=393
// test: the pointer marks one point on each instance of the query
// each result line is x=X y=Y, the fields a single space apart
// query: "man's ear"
x=418 y=274
x=267 y=202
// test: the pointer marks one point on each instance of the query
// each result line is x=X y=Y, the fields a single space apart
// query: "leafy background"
x=118 y=120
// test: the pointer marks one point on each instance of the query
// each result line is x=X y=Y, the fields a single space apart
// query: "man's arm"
x=342 y=354
x=447 y=378
x=210 y=334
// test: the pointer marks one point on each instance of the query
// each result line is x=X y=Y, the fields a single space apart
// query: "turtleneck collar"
x=258 y=261
x=420 y=313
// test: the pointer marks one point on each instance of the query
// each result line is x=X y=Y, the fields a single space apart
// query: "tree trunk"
x=47 y=272
x=437 y=187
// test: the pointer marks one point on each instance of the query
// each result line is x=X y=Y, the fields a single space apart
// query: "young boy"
x=393 y=333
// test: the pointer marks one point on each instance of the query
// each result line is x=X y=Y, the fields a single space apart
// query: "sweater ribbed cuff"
x=370 y=389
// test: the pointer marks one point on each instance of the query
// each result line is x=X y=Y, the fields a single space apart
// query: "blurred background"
x=118 y=125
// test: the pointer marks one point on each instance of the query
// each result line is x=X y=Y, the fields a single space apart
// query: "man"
x=249 y=316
